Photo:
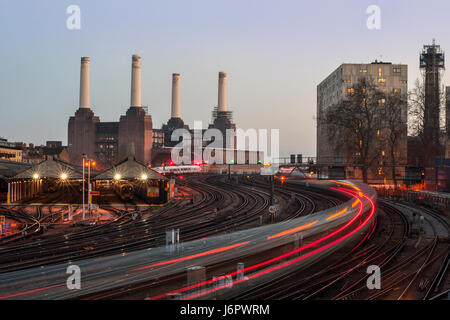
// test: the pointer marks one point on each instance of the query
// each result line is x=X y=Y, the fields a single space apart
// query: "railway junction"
x=215 y=236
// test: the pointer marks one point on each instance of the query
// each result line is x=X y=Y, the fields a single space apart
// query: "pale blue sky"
x=275 y=54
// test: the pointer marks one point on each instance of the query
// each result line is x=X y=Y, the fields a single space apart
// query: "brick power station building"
x=110 y=142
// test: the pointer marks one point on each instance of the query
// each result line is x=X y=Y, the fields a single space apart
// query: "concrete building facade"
x=335 y=89
x=10 y=153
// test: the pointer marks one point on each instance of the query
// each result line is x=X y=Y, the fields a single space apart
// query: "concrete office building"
x=336 y=88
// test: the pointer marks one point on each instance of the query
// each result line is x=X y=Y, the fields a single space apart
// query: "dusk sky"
x=274 y=52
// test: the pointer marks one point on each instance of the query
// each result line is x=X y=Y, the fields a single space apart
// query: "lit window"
x=381 y=80
x=380 y=72
x=363 y=70
x=396 y=91
x=351 y=91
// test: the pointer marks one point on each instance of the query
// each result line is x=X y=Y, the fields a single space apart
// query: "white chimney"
x=222 y=103
x=176 y=110
x=136 y=90
x=84 y=83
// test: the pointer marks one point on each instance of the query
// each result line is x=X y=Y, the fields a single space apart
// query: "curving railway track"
x=220 y=207
x=390 y=247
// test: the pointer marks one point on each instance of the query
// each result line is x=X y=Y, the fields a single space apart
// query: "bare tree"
x=354 y=122
x=416 y=112
x=393 y=128
x=416 y=109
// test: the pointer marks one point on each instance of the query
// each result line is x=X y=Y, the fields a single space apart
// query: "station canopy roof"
x=11 y=168
x=129 y=169
x=50 y=168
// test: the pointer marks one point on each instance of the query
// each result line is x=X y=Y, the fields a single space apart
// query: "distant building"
x=106 y=143
x=335 y=89
x=53 y=144
x=11 y=153
x=158 y=138
x=32 y=157
x=60 y=153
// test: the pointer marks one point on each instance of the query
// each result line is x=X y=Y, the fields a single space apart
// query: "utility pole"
x=89 y=187
x=84 y=161
x=272 y=190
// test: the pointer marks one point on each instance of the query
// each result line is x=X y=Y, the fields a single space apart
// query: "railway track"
x=222 y=208
x=386 y=246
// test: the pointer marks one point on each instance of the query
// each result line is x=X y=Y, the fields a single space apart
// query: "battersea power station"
x=110 y=142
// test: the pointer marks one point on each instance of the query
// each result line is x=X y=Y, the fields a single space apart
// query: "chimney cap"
x=85 y=59
x=136 y=57
x=222 y=74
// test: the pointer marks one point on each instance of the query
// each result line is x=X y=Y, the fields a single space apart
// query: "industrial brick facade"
x=135 y=132
x=110 y=142
x=81 y=135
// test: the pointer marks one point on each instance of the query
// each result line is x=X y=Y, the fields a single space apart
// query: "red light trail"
x=201 y=254
x=349 y=192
